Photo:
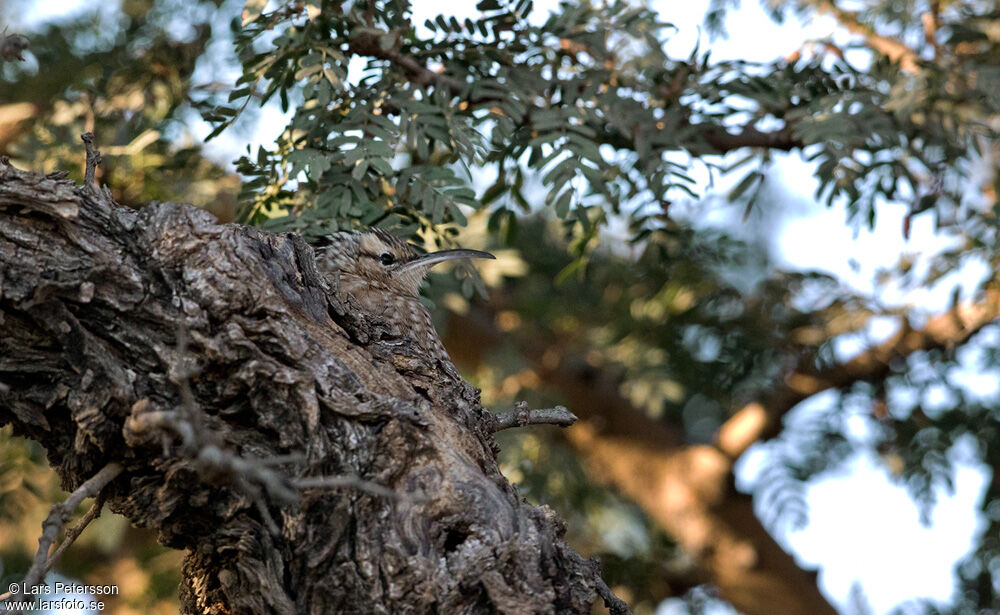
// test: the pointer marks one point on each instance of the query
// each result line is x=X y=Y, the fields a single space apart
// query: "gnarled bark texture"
x=278 y=379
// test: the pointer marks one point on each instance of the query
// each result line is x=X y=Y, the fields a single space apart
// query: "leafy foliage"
x=586 y=100
x=127 y=77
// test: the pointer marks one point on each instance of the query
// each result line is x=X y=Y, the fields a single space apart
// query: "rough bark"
x=214 y=365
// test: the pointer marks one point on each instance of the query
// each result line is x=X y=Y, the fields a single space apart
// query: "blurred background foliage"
x=582 y=153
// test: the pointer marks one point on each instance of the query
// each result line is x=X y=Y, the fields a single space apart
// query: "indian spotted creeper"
x=383 y=274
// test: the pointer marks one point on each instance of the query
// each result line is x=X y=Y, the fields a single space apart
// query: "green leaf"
x=239 y=93
x=749 y=180
x=563 y=202
x=359 y=169
x=576 y=267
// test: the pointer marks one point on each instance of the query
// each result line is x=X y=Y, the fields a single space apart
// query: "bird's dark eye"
x=387 y=258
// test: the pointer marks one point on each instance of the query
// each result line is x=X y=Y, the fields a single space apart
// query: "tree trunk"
x=220 y=371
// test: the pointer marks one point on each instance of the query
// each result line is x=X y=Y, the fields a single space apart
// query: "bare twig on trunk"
x=59 y=516
x=522 y=416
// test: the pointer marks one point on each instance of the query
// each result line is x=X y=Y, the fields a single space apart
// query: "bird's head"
x=383 y=260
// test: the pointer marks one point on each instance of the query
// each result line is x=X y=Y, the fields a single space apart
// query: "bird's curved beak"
x=433 y=258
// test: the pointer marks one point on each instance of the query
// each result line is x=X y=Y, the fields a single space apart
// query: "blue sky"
x=863 y=528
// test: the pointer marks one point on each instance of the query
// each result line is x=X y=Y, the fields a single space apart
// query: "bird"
x=383 y=274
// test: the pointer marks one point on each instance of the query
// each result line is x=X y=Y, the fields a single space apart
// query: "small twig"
x=336 y=482
x=59 y=516
x=74 y=532
x=369 y=43
x=522 y=415
x=93 y=159
x=616 y=606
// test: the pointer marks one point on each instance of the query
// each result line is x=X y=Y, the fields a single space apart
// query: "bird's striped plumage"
x=383 y=274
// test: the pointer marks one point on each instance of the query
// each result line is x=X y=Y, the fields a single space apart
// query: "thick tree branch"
x=718 y=140
x=761 y=419
x=220 y=373
x=895 y=50
x=722 y=141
